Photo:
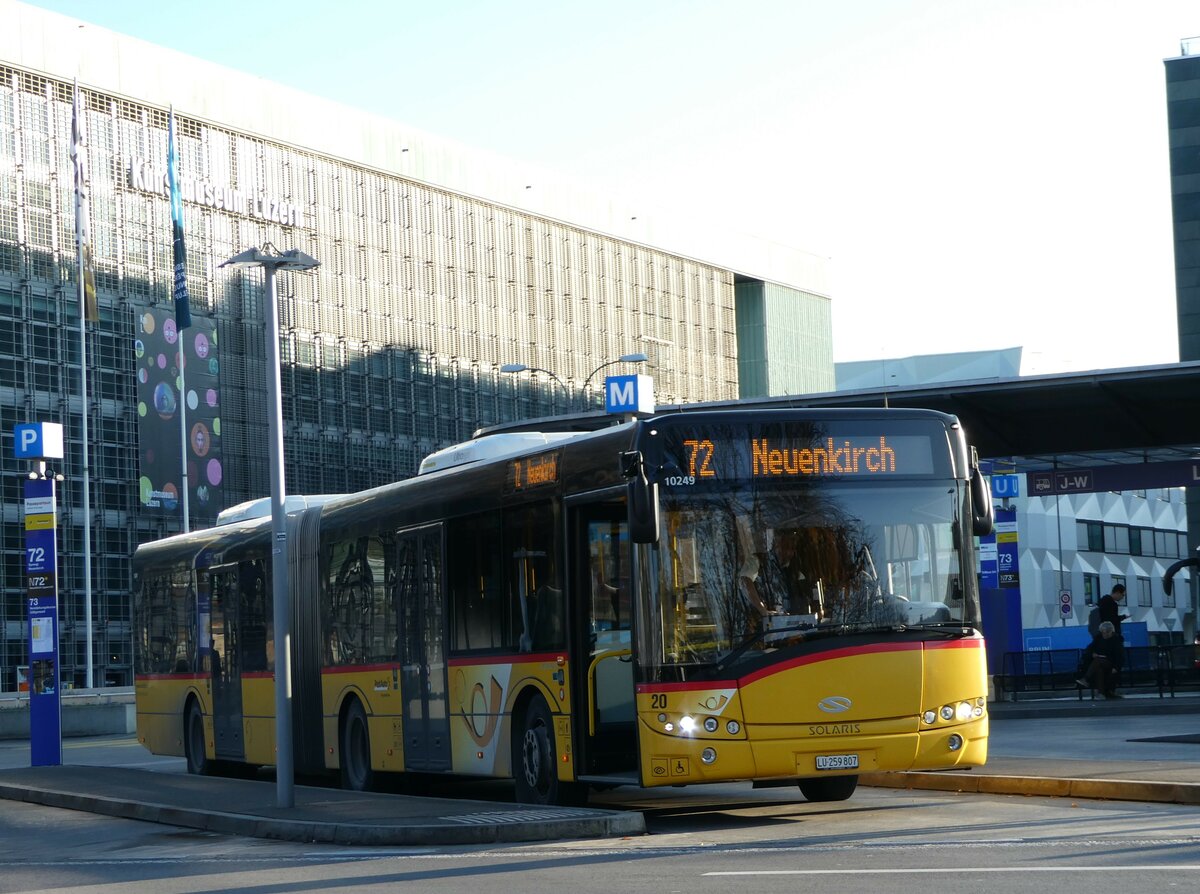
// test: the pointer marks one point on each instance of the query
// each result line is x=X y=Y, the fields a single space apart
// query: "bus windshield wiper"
x=764 y=634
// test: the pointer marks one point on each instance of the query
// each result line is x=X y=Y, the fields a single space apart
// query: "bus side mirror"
x=983 y=514
x=642 y=497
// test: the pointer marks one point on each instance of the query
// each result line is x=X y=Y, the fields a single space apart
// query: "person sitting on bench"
x=1101 y=661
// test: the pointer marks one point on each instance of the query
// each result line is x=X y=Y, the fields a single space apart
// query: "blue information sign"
x=1008 y=566
x=989 y=578
x=41 y=588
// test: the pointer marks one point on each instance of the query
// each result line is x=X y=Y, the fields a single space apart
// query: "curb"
x=1040 y=786
x=439 y=831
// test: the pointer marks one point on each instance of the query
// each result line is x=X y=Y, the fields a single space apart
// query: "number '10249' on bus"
x=692 y=597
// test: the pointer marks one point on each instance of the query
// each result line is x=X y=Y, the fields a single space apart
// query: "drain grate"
x=516 y=816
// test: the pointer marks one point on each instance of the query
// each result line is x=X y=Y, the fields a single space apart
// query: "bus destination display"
x=731 y=455
x=529 y=472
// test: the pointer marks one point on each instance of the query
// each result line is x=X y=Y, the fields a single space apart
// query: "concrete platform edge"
x=609 y=825
x=1042 y=786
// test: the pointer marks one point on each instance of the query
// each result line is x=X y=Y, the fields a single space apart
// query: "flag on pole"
x=87 y=293
x=183 y=311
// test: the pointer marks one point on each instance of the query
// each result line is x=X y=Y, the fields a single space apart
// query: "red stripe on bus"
x=475 y=661
x=832 y=654
x=258 y=675
x=150 y=677
x=686 y=687
x=815 y=658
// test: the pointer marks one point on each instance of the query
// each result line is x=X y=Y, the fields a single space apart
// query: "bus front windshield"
x=760 y=568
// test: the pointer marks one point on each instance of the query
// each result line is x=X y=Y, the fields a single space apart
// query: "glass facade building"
x=391 y=349
x=1183 y=127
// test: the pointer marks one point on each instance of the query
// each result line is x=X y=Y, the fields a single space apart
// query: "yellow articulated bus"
x=719 y=594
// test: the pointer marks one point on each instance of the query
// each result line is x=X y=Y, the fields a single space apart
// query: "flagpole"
x=183 y=438
x=80 y=228
x=182 y=312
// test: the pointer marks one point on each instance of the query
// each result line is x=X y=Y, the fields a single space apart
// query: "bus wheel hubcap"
x=533 y=758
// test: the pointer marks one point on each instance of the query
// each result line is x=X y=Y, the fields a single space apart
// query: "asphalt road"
x=703 y=840
x=708 y=839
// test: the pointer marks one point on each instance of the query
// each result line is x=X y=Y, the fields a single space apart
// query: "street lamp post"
x=624 y=358
x=511 y=368
x=271 y=260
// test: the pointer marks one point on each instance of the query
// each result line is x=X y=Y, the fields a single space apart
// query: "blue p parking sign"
x=38 y=440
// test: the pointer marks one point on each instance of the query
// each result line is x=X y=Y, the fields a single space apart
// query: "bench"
x=1044 y=673
x=1181 y=665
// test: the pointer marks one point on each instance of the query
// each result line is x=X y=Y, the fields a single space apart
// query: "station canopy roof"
x=1112 y=416
x=1147 y=414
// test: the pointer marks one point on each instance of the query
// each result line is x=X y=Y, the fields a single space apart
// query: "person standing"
x=1110 y=609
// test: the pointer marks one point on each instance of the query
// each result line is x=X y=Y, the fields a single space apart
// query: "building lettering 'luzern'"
x=152 y=178
x=844 y=459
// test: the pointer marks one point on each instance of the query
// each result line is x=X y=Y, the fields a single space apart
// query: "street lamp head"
x=293 y=259
x=513 y=368
x=632 y=358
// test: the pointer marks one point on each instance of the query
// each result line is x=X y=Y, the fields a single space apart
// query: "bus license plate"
x=837 y=761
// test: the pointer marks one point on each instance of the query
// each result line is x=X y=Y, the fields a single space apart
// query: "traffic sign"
x=1064 y=603
x=38 y=440
x=629 y=394
x=1004 y=486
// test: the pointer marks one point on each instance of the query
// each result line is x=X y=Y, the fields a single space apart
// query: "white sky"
x=982 y=174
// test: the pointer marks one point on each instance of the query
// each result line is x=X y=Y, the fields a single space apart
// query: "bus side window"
x=254 y=616
x=608 y=548
x=361 y=625
x=535 y=591
x=477 y=609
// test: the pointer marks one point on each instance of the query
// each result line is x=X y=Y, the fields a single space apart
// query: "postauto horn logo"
x=834 y=704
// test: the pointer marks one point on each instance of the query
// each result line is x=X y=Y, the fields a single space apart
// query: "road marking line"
x=960 y=870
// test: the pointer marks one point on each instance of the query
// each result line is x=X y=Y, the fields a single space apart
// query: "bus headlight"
x=962 y=713
x=708 y=755
x=955 y=742
x=733 y=727
x=930 y=717
x=687 y=724
x=710 y=724
x=947 y=712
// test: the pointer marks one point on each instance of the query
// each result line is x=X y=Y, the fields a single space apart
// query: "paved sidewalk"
x=247 y=807
x=1135 y=749
x=1140 y=748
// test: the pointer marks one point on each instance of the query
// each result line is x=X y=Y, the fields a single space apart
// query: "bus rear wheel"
x=357 y=774
x=533 y=760
x=830 y=788
x=198 y=763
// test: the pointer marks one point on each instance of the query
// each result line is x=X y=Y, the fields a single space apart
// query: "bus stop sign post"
x=40 y=441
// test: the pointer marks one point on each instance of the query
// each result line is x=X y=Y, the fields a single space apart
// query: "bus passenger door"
x=420 y=602
x=225 y=662
x=605 y=714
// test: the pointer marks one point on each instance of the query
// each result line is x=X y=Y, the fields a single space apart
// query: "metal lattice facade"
x=391 y=349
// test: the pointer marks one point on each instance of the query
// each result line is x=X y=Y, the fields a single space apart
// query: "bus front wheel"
x=535 y=767
x=357 y=774
x=198 y=763
x=830 y=788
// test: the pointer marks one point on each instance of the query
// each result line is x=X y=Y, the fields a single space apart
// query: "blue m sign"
x=629 y=394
